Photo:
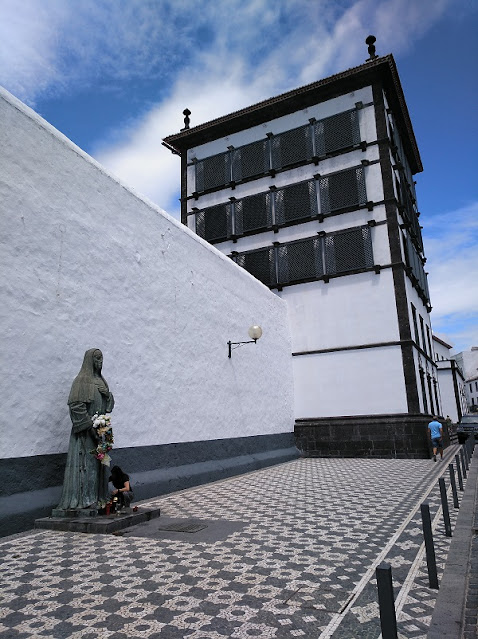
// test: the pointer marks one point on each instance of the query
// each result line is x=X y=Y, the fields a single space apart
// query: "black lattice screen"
x=338 y=132
x=342 y=189
x=253 y=213
x=415 y=263
x=410 y=215
x=291 y=147
x=348 y=250
x=300 y=260
x=303 y=260
x=259 y=263
x=213 y=171
x=249 y=160
x=296 y=202
x=214 y=223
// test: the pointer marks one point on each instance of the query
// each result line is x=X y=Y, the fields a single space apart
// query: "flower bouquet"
x=102 y=424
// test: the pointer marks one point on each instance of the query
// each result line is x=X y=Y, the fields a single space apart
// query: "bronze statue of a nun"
x=86 y=478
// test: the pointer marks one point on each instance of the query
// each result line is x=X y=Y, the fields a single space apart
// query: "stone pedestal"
x=74 y=512
x=98 y=524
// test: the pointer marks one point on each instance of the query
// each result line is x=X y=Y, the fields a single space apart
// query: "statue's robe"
x=86 y=478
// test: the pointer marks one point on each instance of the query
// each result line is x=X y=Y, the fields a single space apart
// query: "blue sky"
x=115 y=75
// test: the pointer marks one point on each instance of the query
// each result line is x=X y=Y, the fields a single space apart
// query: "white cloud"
x=257 y=49
x=451 y=245
x=214 y=58
x=59 y=46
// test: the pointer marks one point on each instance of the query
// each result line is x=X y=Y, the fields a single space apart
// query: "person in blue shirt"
x=435 y=430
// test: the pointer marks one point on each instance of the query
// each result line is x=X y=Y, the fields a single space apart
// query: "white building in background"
x=468 y=362
x=312 y=192
x=471 y=386
x=451 y=381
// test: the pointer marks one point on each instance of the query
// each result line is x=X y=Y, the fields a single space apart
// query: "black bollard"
x=456 y=503
x=466 y=452
x=458 y=471
x=386 y=602
x=463 y=465
x=429 y=547
x=444 y=506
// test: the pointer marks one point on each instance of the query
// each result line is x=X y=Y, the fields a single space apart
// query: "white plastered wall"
x=349 y=311
x=364 y=382
x=88 y=263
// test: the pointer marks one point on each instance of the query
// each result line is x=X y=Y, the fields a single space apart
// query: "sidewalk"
x=287 y=551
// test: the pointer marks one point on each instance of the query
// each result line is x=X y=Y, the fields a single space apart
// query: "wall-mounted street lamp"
x=254 y=333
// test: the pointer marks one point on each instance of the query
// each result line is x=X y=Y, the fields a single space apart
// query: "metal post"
x=386 y=602
x=429 y=547
x=463 y=465
x=456 y=503
x=466 y=452
x=444 y=505
x=458 y=470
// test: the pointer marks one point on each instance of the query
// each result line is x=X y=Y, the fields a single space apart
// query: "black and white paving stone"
x=288 y=551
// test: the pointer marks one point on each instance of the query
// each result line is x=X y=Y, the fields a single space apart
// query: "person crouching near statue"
x=122 y=487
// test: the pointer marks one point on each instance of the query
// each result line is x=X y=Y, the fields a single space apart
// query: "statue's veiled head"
x=92 y=362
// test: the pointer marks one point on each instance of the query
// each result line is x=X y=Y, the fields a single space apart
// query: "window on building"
x=337 y=132
x=250 y=160
x=295 y=202
x=348 y=250
x=291 y=147
x=422 y=333
x=424 y=392
x=311 y=258
x=213 y=171
x=214 y=223
x=415 y=325
x=430 y=352
x=430 y=395
x=417 y=275
x=299 y=261
x=437 y=403
x=259 y=263
x=343 y=189
x=252 y=213
x=297 y=146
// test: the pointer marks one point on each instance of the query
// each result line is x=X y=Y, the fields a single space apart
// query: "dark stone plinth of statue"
x=74 y=512
x=103 y=524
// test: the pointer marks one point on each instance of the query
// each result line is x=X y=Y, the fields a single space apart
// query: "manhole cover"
x=183 y=527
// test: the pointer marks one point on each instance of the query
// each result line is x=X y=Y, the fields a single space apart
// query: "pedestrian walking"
x=435 y=431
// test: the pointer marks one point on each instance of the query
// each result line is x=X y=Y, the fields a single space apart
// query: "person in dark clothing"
x=123 y=489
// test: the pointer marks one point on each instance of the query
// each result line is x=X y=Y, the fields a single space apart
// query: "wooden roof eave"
x=381 y=69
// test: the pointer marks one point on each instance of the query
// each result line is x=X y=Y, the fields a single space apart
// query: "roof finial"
x=370 y=40
x=186 y=114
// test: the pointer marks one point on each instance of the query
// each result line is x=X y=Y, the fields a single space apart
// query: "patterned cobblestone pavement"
x=294 y=556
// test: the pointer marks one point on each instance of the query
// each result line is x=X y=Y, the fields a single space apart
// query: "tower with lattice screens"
x=313 y=193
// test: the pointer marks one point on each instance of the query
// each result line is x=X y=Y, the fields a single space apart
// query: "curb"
x=449 y=614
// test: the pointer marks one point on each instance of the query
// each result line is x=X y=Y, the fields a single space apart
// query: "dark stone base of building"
x=401 y=436
x=154 y=471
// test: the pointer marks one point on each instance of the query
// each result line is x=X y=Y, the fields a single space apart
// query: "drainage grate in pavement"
x=189 y=527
